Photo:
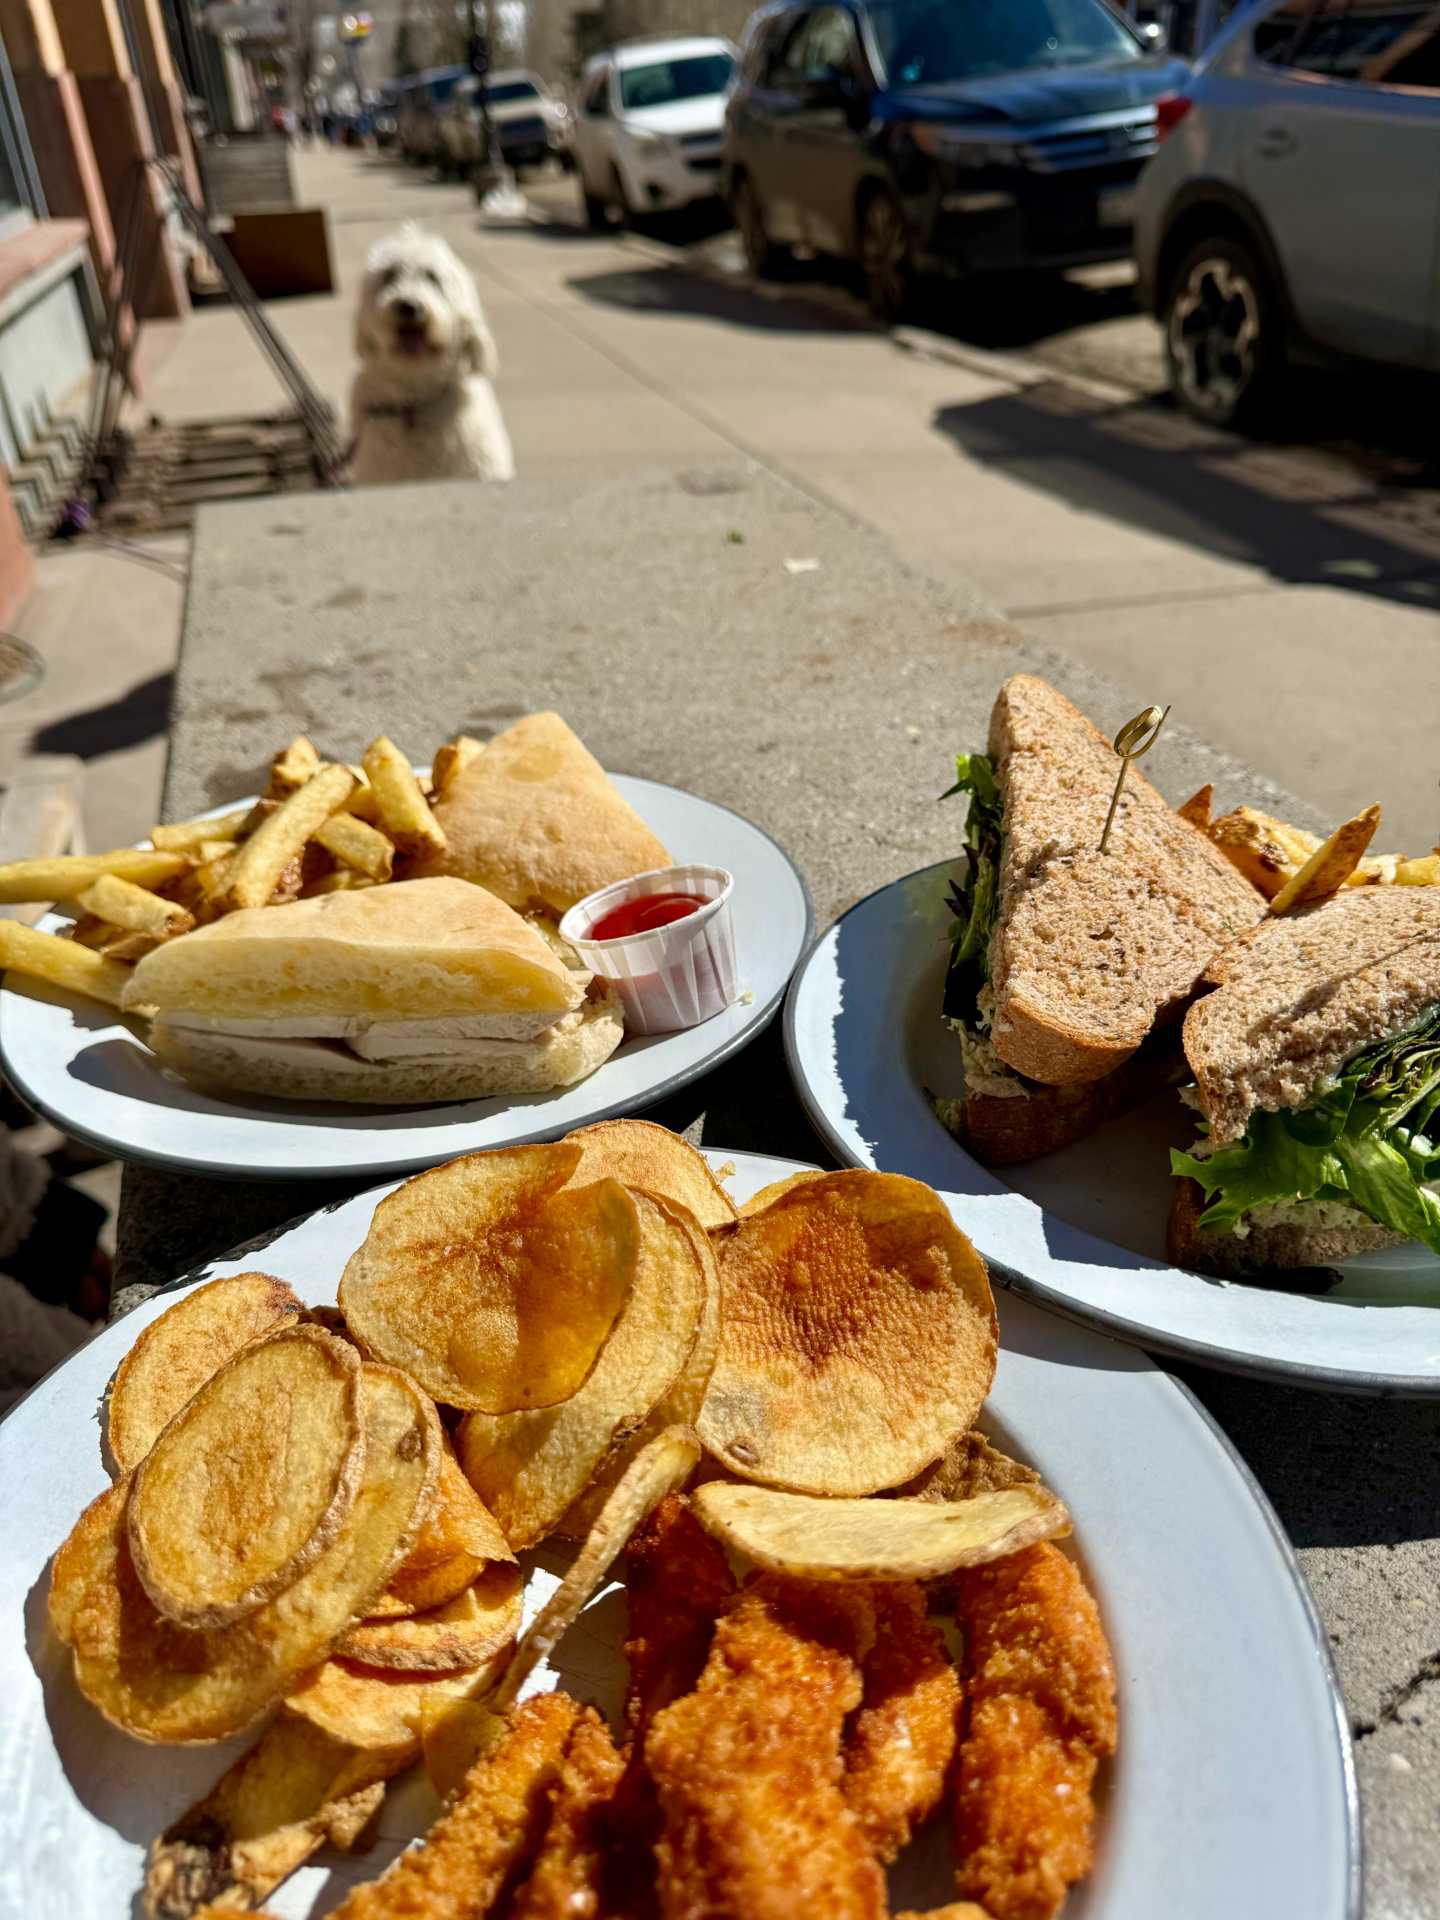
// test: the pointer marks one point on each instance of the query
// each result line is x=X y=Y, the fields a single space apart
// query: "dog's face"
x=420 y=316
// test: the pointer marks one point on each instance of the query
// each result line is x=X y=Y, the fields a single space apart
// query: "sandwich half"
x=1069 y=967
x=1317 y=1073
x=427 y=990
x=536 y=820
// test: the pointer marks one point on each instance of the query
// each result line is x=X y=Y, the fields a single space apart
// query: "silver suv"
x=1292 y=209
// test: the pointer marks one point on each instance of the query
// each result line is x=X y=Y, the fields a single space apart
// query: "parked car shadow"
x=1306 y=516
x=674 y=290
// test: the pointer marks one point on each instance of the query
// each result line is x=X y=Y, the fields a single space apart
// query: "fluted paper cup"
x=672 y=976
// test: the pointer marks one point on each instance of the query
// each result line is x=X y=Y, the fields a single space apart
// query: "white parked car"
x=649 y=124
x=531 y=125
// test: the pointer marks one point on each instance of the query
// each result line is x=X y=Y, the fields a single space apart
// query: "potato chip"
x=857 y=1337
x=265 y=1816
x=490 y=1285
x=370 y=1707
x=665 y=1464
x=454 y=1733
x=251 y=1480
x=529 y=1467
x=969 y=1465
x=186 y=1686
x=679 y=1406
x=767 y=1196
x=459 y=1537
x=178 y=1353
x=812 y=1539
x=468 y=1632
x=637 y=1153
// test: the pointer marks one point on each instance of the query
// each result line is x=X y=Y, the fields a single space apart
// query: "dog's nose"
x=407 y=311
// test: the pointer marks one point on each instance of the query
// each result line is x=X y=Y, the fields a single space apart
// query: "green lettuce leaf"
x=1365 y=1140
x=974 y=894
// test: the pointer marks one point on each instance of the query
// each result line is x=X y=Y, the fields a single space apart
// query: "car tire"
x=1224 y=334
x=885 y=258
x=747 y=209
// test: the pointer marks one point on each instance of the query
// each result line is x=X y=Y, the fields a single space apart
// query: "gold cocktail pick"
x=1137 y=736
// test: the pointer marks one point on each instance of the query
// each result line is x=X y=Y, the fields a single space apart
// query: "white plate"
x=87 y=1069
x=1234 y=1758
x=1082 y=1230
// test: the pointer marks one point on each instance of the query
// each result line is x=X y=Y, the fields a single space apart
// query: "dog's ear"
x=477 y=344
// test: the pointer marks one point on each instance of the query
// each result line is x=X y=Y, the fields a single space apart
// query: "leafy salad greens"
x=975 y=895
x=1370 y=1140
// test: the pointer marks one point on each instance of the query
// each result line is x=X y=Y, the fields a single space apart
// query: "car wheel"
x=762 y=256
x=885 y=256
x=1222 y=335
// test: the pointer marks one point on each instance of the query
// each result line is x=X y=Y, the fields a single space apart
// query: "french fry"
x=1197 y=808
x=185 y=835
x=134 y=908
x=45 y=956
x=451 y=761
x=292 y=767
x=363 y=803
x=354 y=844
x=69 y=874
x=263 y=858
x=207 y=850
x=1267 y=851
x=404 y=810
x=338 y=880
x=1331 y=864
x=1424 y=872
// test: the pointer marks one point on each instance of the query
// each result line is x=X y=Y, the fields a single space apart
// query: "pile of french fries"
x=319 y=827
x=1293 y=868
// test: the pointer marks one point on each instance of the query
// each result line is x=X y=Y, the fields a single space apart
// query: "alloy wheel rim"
x=1214 y=336
x=885 y=253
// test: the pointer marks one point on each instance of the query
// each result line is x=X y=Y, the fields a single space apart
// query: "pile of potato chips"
x=324 y=1508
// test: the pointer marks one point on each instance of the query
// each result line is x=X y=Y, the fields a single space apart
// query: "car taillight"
x=1170 y=110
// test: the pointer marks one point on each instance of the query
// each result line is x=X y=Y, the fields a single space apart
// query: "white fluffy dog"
x=422 y=407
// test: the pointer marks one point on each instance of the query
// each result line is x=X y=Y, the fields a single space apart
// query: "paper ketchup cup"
x=668 y=976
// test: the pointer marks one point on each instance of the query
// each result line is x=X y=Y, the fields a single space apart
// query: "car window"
x=825 y=44
x=938 y=40
x=1373 y=45
x=689 y=78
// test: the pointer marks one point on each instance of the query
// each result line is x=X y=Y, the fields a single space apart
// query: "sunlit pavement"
x=1281 y=595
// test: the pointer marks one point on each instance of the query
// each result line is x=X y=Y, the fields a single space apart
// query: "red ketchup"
x=643 y=914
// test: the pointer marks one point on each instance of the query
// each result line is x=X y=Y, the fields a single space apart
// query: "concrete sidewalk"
x=614 y=354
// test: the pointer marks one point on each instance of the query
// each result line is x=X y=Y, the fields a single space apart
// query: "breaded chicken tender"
x=1040 y=1716
x=567 y=1881
x=901 y=1741
x=748 y=1766
x=475 y=1850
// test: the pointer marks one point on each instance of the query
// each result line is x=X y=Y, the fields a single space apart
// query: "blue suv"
x=953 y=136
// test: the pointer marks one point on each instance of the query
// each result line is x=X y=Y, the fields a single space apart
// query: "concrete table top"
x=664 y=614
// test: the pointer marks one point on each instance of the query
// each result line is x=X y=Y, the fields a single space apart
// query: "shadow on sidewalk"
x=674 y=290
x=142 y=713
x=1306 y=517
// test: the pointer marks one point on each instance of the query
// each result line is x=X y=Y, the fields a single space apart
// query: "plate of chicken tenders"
x=365 y=969
x=600 y=1528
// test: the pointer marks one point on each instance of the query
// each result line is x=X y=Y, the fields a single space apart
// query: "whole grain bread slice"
x=1091 y=948
x=1280 y=1247
x=1001 y=1131
x=1298 y=996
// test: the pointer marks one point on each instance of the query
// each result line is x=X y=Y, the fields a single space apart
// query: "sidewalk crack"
x=1399 y=1697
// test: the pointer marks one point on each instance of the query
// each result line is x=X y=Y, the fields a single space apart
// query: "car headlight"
x=958 y=145
x=653 y=145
